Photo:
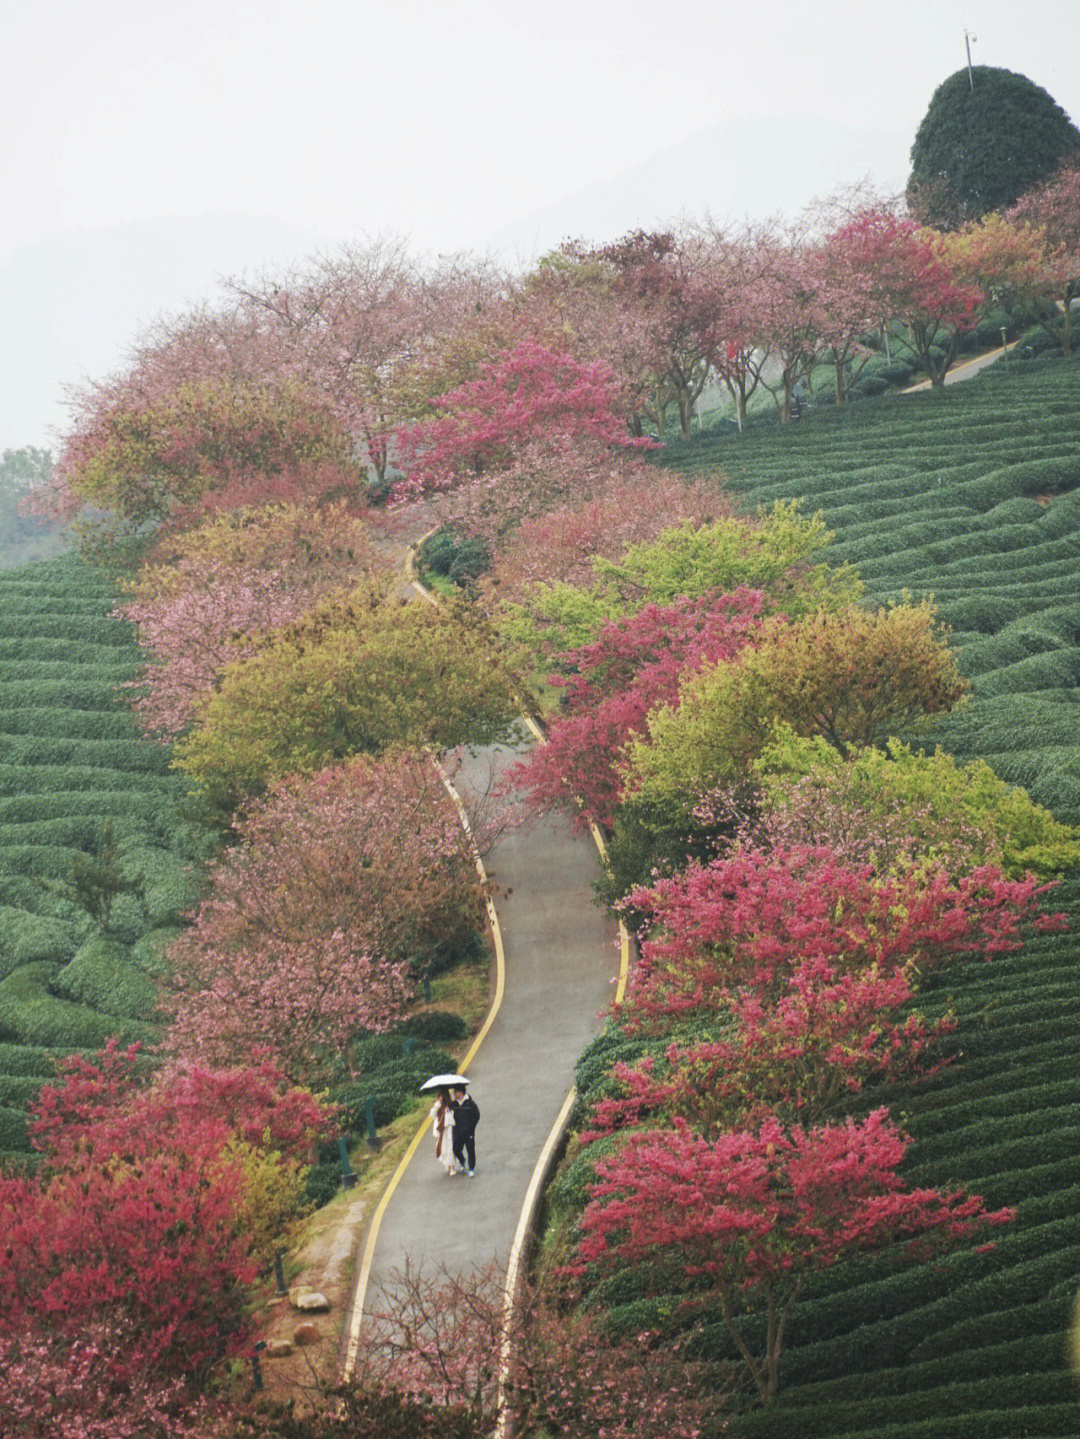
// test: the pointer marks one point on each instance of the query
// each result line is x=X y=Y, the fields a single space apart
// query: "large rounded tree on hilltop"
x=985 y=139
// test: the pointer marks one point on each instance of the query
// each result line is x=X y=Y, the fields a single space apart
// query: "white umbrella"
x=443 y=1081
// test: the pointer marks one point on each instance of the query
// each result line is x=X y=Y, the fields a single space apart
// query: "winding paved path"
x=561 y=960
x=561 y=963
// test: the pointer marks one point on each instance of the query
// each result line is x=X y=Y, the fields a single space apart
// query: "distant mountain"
x=756 y=168
x=72 y=305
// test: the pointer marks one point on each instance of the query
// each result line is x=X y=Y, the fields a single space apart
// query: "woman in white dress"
x=441 y=1115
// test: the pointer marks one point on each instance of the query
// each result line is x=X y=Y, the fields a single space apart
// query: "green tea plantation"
x=971 y=495
x=96 y=857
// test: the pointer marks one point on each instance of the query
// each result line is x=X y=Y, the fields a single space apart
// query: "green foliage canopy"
x=853 y=677
x=982 y=143
x=770 y=551
x=941 y=810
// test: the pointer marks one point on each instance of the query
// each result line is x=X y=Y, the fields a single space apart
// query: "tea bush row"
x=71 y=762
x=970 y=1346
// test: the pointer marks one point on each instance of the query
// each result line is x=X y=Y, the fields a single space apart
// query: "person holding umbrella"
x=466 y=1118
x=441 y=1115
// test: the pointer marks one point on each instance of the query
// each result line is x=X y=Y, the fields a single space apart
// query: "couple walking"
x=455 y=1115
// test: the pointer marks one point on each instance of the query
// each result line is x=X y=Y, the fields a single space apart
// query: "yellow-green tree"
x=358 y=675
x=852 y=676
x=896 y=807
x=773 y=551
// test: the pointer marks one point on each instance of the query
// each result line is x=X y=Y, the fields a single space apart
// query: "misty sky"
x=150 y=148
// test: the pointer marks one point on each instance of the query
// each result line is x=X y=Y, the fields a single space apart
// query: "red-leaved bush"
x=635 y=665
x=137 y=1226
x=751 y=918
x=757 y=1210
x=827 y=1034
x=525 y=395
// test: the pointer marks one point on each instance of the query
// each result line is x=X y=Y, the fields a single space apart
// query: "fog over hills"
x=72 y=305
x=755 y=169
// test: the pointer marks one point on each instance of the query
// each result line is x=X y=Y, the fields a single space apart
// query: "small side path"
x=966 y=370
x=561 y=962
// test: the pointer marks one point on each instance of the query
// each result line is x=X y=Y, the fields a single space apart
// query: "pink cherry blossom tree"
x=343 y=886
x=1053 y=209
x=200 y=603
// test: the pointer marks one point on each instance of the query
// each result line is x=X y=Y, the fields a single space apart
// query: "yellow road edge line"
x=360 y=1288
x=525 y=1218
x=517 y=1248
x=624 y=934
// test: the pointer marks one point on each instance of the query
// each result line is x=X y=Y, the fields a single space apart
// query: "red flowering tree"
x=94 y=1107
x=666 y=279
x=139 y=1224
x=757 y=1210
x=858 y=288
x=575 y=298
x=635 y=664
x=526 y=394
x=238 y=575
x=933 y=305
x=1053 y=209
x=827 y=1034
x=751 y=919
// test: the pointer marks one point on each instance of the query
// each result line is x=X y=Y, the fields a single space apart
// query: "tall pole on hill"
x=968 y=37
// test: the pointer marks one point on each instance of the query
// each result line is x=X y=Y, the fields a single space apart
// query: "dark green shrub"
x=459 y=557
x=322 y=1183
x=436 y=1025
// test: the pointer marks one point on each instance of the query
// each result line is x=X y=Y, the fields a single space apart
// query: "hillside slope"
x=72 y=765
x=971 y=495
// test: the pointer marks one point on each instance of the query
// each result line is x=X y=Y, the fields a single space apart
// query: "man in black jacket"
x=466 y=1118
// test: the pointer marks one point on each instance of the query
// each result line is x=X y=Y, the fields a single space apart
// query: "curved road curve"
x=560 y=966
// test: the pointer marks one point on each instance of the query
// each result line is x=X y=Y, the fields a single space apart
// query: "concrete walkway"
x=561 y=961
x=965 y=371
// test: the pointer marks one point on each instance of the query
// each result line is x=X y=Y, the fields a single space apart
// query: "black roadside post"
x=256 y=1367
x=369 y=1116
x=279 y=1273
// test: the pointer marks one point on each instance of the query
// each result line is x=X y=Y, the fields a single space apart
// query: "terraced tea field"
x=972 y=495
x=71 y=763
